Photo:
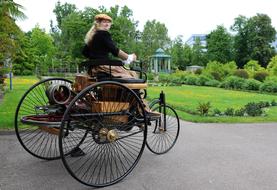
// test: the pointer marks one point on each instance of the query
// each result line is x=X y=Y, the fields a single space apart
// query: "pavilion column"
x=156 y=65
x=169 y=68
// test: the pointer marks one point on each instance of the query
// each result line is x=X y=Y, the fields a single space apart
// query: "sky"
x=181 y=17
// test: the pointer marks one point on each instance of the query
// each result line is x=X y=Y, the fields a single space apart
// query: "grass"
x=11 y=99
x=185 y=97
x=188 y=97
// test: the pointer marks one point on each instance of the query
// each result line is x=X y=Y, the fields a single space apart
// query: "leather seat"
x=123 y=80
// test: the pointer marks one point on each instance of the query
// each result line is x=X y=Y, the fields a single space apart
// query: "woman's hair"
x=91 y=32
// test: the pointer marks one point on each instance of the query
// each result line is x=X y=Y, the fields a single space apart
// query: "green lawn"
x=188 y=97
x=185 y=97
x=9 y=103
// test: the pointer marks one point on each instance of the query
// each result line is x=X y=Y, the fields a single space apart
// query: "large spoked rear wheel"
x=163 y=132
x=114 y=120
x=35 y=128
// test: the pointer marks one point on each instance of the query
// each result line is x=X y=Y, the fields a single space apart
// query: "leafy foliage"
x=198 y=54
x=177 y=54
x=229 y=112
x=269 y=86
x=218 y=70
x=253 y=109
x=203 y=108
x=252 y=66
x=272 y=66
x=219 y=45
x=61 y=11
x=154 y=36
x=253 y=38
x=241 y=73
x=251 y=84
x=260 y=75
x=233 y=82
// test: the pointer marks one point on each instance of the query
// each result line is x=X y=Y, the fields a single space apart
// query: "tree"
x=61 y=11
x=123 y=30
x=24 y=60
x=272 y=66
x=253 y=39
x=219 y=45
x=154 y=36
x=11 y=9
x=9 y=31
x=41 y=48
x=241 y=50
x=261 y=34
x=187 y=55
x=198 y=54
x=9 y=12
x=177 y=53
x=69 y=34
x=181 y=53
x=73 y=29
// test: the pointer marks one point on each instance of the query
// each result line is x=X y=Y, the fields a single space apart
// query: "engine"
x=58 y=93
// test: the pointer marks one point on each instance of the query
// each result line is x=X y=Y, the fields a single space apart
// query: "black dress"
x=100 y=46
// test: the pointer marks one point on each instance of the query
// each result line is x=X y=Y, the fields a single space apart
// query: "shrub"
x=229 y=68
x=212 y=82
x=271 y=78
x=216 y=112
x=229 y=111
x=164 y=78
x=203 y=108
x=181 y=75
x=241 y=73
x=215 y=69
x=175 y=80
x=251 y=84
x=273 y=70
x=273 y=103
x=233 y=82
x=252 y=66
x=272 y=65
x=201 y=80
x=150 y=76
x=216 y=75
x=3 y=71
x=268 y=86
x=191 y=80
x=198 y=72
x=27 y=72
x=253 y=109
x=263 y=104
x=260 y=75
x=239 y=112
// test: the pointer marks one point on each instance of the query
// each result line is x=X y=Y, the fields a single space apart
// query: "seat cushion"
x=123 y=80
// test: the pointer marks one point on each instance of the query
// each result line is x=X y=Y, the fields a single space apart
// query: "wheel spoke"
x=105 y=161
x=38 y=141
x=163 y=135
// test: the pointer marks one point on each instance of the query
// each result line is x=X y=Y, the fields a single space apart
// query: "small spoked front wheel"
x=163 y=132
x=114 y=120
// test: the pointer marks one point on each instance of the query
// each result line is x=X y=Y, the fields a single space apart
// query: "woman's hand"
x=131 y=58
x=134 y=57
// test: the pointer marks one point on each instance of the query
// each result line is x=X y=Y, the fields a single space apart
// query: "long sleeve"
x=85 y=51
x=100 y=46
x=109 y=43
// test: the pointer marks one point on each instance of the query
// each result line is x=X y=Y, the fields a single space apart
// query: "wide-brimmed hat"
x=100 y=17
